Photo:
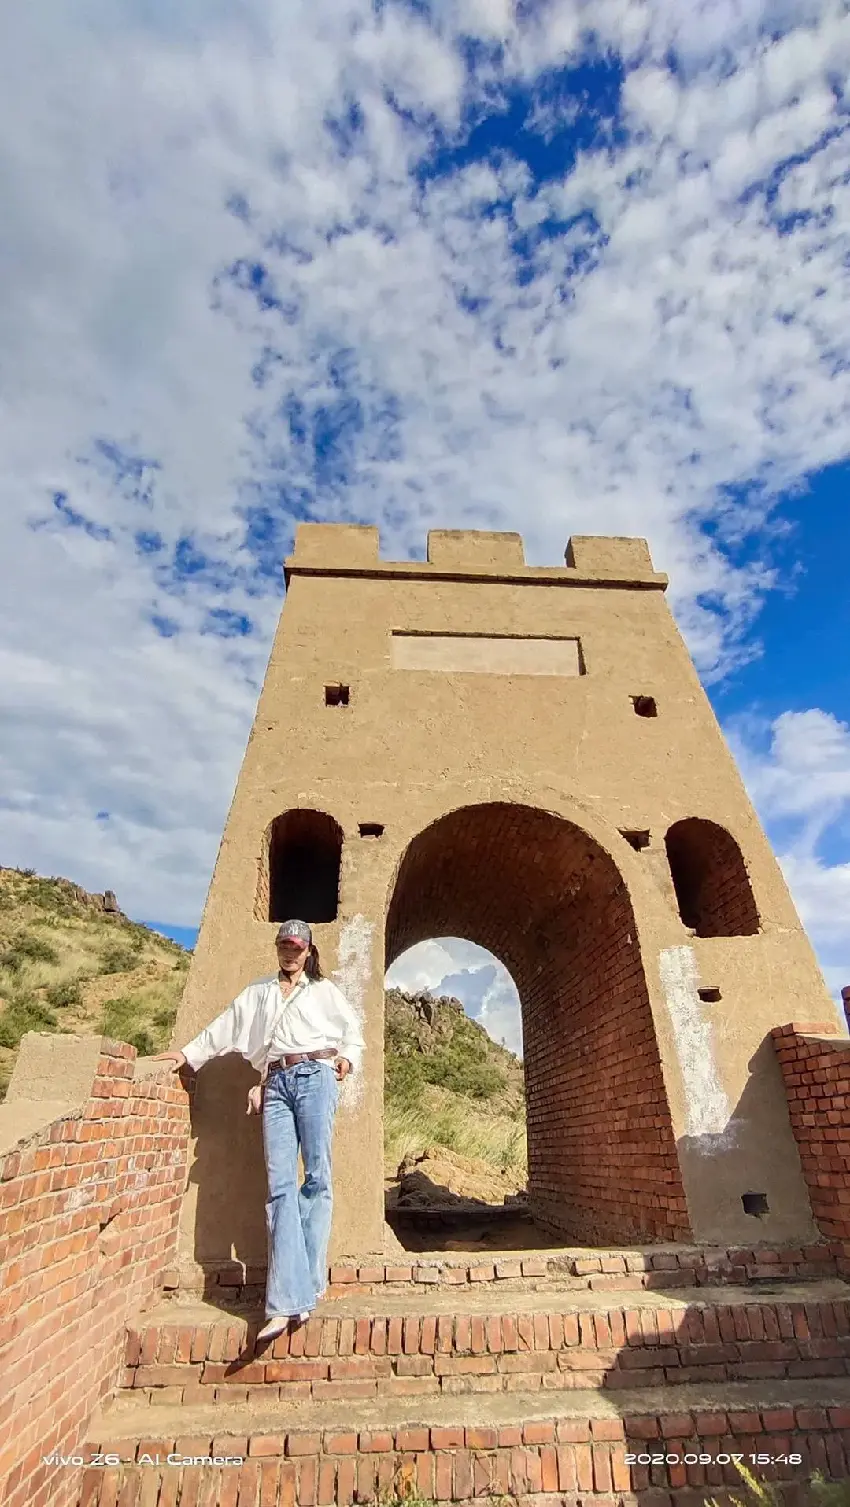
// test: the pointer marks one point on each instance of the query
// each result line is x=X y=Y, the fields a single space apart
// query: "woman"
x=302 y=1034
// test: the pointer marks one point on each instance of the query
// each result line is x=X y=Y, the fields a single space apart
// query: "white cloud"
x=421 y=967
x=500 y=1013
x=428 y=963
x=453 y=966
x=807 y=771
x=702 y=345
x=797 y=771
x=822 y=894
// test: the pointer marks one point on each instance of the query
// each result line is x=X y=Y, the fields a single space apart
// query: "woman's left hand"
x=342 y=1067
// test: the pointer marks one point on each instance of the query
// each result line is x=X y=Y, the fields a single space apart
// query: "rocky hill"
x=430 y=1039
x=449 y=1089
x=72 y=962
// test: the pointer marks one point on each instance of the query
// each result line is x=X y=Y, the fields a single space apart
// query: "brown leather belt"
x=293 y=1058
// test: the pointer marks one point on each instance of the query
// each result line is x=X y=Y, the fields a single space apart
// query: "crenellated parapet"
x=355 y=549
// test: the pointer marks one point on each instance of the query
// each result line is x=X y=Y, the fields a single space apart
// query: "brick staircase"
x=584 y=1377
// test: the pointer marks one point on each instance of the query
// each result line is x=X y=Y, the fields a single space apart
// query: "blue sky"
x=555 y=267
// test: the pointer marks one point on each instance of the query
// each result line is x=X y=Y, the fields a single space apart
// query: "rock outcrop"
x=439 y=1177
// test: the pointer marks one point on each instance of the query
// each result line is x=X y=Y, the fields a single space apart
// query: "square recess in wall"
x=755 y=1204
x=636 y=840
x=371 y=829
x=336 y=695
x=645 y=706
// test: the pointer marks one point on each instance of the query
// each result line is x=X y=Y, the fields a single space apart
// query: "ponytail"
x=313 y=967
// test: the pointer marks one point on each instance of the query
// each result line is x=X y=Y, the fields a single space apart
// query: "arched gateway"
x=549 y=902
x=523 y=756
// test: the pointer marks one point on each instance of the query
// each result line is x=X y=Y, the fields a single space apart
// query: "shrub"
x=829 y=1493
x=142 y=1041
x=477 y=1080
x=67 y=992
x=403 y=1079
x=118 y=959
x=120 y=1020
x=514 y=1150
x=118 y=1015
x=22 y=1014
x=52 y=895
x=28 y=948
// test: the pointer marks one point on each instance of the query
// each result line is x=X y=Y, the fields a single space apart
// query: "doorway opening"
x=550 y=904
x=454 y=1098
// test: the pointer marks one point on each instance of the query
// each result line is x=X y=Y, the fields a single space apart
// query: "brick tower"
x=523 y=757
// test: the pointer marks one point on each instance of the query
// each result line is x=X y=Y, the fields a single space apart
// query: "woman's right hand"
x=255 y=1100
x=176 y=1058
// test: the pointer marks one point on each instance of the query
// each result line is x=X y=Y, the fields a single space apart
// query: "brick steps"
x=634 y=1267
x=522 y=1381
x=570 y=1447
x=348 y=1303
x=462 y=1342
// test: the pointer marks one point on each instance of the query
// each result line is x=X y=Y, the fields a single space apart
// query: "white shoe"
x=279 y=1323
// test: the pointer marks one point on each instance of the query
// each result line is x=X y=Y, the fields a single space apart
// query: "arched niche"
x=710 y=878
x=300 y=867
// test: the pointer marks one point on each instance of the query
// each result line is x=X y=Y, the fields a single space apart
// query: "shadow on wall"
x=230 y=1219
x=762 y=1195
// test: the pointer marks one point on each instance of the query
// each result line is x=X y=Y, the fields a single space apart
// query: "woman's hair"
x=313 y=967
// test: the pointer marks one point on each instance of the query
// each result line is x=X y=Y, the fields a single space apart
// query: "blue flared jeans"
x=299 y=1105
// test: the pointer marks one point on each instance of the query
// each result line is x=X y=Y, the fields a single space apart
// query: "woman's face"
x=291 y=953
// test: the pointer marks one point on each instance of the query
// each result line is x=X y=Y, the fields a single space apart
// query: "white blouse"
x=262 y=1025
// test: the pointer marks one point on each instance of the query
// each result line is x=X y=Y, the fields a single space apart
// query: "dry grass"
x=819 y=1492
x=447 y=1119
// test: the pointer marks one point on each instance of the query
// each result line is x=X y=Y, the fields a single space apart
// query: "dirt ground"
x=444 y=1201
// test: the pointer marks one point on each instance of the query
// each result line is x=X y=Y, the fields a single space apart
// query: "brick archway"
x=551 y=904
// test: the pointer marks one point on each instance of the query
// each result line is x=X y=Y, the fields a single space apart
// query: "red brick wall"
x=89 y=1210
x=602 y=1155
x=546 y=900
x=816 y=1068
x=710 y=879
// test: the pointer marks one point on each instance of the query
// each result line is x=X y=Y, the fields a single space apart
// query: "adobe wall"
x=448 y=723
